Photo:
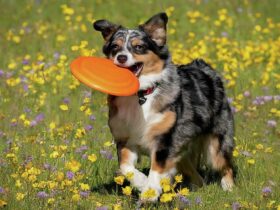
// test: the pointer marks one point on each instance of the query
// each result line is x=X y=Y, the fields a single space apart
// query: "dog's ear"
x=106 y=28
x=155 y=27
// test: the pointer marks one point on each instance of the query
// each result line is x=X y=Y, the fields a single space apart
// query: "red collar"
x=142 y=93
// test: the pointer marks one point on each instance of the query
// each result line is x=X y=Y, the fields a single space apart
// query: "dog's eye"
x=115 y=47
x=138 y=47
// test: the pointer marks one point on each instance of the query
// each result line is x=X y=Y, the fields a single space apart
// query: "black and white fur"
x=186 y=122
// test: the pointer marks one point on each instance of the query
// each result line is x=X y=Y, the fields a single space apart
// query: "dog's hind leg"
x=189 y=169
x=219 y=160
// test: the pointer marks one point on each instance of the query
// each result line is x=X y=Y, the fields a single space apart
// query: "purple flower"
x=198 y=200
x=56 y=55
x=233 y=109
x=88 y=127
x=266 y=191
x=102 y=208
x=230 y=100
x=92 y=117
x=1 y=73
x=33 y=123
x=224 y=34
x=246 y=93
x=271 y=123
x=66 y=100
x=42 y=194
x=25 y=87
x=81 y=149
x=70 y=175
x=87 y=94
x=184 y=200
x=13 y=124
x=2 y=190
x=267 y=98
x=107 y=154
x=235 y=206
x=47 y=166
x=25 y=62
x=84 y=156
x=84 y=194
x=40 y=117
x=27 y=110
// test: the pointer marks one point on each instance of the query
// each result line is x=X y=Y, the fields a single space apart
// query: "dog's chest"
x=131 y=121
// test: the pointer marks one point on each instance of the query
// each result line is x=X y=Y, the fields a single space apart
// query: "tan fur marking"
x=124 y=155
x=152 y=63
x=169 y=164
x=119 y=42
x=136 y=41
x=163 y=126
x=217 y=159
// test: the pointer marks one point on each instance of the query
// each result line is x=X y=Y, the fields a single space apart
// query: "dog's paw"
x=227 y=184
x=139 y=180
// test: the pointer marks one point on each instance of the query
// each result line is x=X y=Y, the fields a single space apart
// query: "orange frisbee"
x=103 y=75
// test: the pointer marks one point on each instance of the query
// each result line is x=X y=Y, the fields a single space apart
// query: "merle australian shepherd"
x=180 y=117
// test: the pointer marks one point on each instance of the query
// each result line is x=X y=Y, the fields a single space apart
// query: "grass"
x=50 y=124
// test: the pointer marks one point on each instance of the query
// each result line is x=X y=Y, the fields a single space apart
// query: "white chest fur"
x=132 y=121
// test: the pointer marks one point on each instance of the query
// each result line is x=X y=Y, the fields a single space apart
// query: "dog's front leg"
x=161 y=167
x=127 y=160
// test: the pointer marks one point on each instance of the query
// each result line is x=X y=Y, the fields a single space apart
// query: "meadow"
x=56 y=150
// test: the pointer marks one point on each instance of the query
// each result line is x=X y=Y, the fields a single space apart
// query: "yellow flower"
x=76 y=197
x=74 y=48
x=251 y=161
x=127 y=190
x=84 y=186
x=166 y=197
x=73 y=165
x=18 y=183
x=60 y=38
x=52 y=125
x=259 y=146
x=54 y=154
x=235 y=153
x=108 y=144
x=51 y=200
x=258 y=28
x=150 y=193
x=129 y=175
x=92 y=158
x=20 y=196
x=3 y=203
x=268 y=150
x=185 y=191
x=64 y=107
x=59 y=176
x=117 y=207
x=119 y=180
x=80 y=132
x=179 y=178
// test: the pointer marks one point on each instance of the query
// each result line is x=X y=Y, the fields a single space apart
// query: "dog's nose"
x=122 y=59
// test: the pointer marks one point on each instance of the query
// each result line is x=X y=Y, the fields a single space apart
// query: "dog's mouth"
x=136 y=68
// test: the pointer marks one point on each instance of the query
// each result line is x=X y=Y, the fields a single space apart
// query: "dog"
x=180 y=116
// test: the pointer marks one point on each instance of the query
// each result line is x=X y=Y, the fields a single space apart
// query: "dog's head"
x=142 y=50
